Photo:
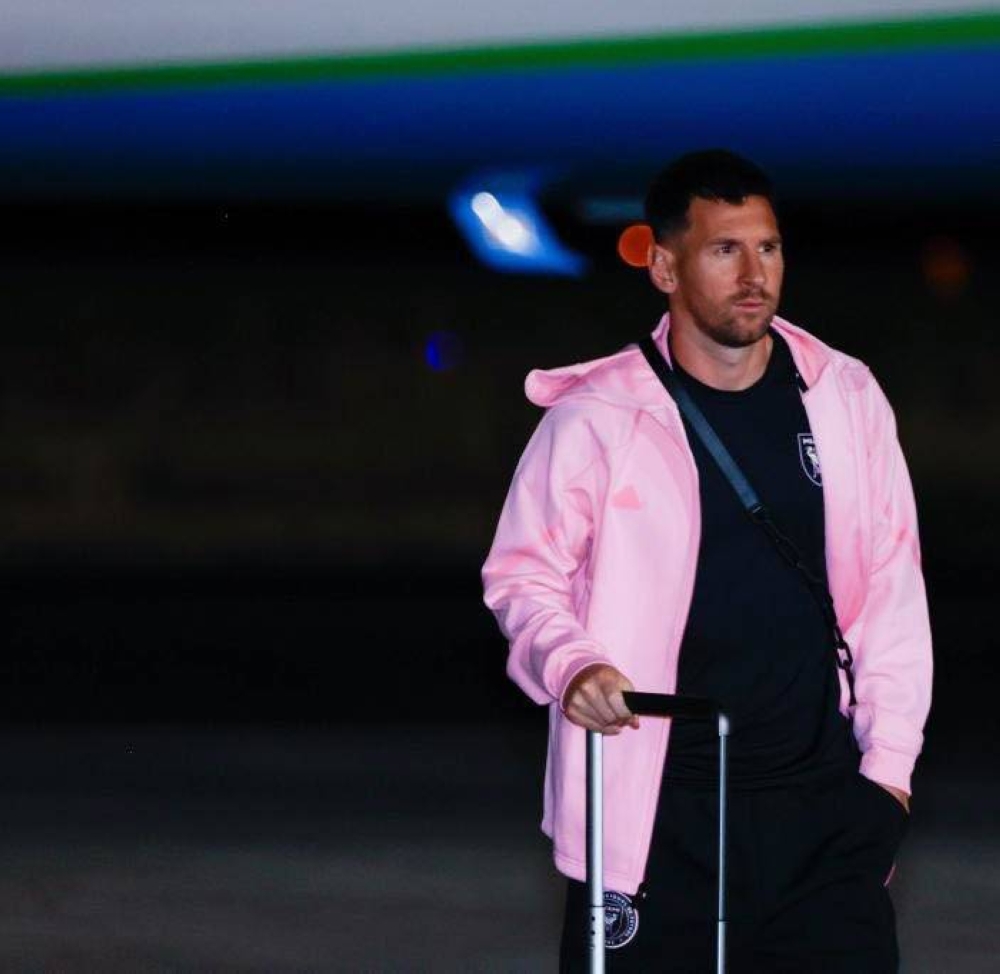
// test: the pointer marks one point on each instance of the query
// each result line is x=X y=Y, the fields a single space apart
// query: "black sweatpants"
x=807 y=871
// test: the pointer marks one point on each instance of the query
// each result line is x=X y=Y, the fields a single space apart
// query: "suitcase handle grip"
x=669 y=705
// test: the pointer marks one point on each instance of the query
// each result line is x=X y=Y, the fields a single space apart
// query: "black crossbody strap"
x=730 y=469
x=752 y=504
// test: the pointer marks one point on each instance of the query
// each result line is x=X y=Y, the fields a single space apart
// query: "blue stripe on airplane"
x=890 y=122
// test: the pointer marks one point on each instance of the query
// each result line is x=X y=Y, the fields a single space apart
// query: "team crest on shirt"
x=809 y=458
x=621 y=919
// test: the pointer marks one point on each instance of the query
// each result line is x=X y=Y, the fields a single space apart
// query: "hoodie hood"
x=625 y=378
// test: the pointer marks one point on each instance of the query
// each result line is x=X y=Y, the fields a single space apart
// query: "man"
x=623 y=559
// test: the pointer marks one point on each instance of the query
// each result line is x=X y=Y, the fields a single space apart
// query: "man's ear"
x=662 y=268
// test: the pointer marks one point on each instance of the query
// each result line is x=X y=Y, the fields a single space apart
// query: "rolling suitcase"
x=652 y=705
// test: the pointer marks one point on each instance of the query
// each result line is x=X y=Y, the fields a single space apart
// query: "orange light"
x=946 y=266
x=634 y=244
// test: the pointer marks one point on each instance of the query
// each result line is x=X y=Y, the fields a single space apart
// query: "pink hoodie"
x=594 y=561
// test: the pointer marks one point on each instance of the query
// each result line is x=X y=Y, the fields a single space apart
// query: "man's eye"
x=724 y=249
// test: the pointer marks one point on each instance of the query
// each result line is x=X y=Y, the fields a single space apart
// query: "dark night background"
x=256 y=715
x=231 y=480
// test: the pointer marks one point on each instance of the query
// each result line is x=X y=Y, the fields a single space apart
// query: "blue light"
x=506 y=230
x=443 y=350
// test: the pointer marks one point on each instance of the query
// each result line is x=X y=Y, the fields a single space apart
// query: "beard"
x=733 y=328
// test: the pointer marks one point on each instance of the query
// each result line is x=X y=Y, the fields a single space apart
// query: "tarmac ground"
x=365 y=848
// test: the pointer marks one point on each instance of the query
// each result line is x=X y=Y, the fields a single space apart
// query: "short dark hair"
x=710 y=174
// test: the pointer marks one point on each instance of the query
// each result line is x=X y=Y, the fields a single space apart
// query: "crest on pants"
x=621 y=919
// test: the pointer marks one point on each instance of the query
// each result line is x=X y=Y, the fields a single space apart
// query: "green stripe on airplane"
x=926 y=32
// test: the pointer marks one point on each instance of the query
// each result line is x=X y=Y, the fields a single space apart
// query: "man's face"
x=724 y=271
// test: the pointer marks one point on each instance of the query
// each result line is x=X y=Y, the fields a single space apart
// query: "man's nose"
x=752 y=269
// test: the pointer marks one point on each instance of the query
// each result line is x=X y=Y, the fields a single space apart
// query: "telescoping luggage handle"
x=650 y=705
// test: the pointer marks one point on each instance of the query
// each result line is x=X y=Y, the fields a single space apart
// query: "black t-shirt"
x=755 y=638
